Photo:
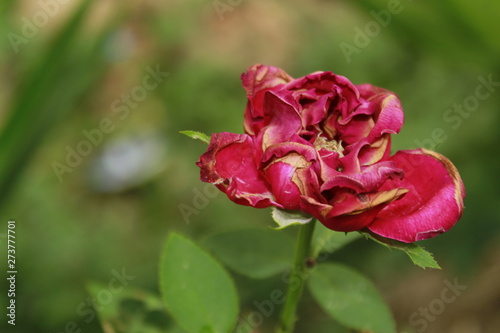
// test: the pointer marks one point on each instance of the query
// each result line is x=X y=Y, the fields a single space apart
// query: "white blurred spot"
x=128 y=162
x=120 y=45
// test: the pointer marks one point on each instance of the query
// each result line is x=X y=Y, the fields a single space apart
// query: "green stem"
x=297 y=278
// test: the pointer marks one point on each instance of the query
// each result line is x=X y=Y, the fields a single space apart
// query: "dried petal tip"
x=434 y=203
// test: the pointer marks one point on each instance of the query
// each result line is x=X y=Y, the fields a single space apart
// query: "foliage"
x=78 y=69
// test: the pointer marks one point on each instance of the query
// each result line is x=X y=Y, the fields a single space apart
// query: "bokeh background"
x=95 y=174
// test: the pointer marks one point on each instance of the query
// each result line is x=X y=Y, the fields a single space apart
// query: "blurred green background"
x=95 y=174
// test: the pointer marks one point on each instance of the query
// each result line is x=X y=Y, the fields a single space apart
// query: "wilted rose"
x=321 y=145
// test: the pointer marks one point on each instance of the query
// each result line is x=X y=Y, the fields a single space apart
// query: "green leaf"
x=256 y=253
x=31 y=117
x=286 y=218
x=350 y=298
x=198 y=292
x=328 y=241
x=417 y=254
x=125 y=309
x=420 y=256
x=196 y=135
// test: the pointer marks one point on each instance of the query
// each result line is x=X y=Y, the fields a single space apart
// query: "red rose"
x=321 y=145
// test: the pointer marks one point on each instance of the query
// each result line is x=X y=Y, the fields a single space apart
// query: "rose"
x=321 y=145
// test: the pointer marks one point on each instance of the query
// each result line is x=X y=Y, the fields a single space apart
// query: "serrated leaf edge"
x=196 y=136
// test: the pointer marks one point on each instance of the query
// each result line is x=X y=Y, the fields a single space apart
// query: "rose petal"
x=260 y=77
x=389 y=118
x=362 y=153
x=352 y=222
x=348 y=212
x=315 y=110
x=330 y=164
x=379 y=150
x=370 y=179
x=328 y=92
x=229 y=163
x=290 y=177
x=285 y=120
x=350 y=161
x=379 y=113
x=257 y=80
x=434 y=202
x=359 y=127
x=282 y=149
x=347 y=203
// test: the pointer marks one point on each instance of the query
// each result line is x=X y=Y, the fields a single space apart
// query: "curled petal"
x=351 y=212
x=290 y=178
x=362 y=153
x=261 y=77
x=380 y=112
x=229 y=164
x=321 y=93
x=433 y=204
x=330 y=164
x=257 y=80
x=379 y=150
x=357 y=128
x=351 y=161
x=390 y=117
x=368 y=90
x=289 y=168
x=314 y=109
x=285 y=120
x=284 y=148
x=352 y=204
x=370 y=179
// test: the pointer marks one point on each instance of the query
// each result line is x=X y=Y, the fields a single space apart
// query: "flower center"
x=330 y=145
